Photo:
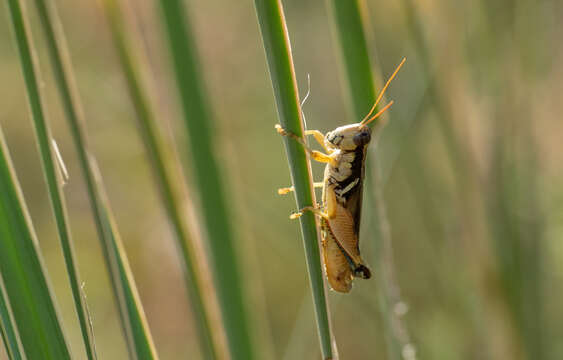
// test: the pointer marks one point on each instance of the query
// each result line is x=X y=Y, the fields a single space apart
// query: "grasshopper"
x=342 y=186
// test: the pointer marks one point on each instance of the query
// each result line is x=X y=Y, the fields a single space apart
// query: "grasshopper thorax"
x=348 y=137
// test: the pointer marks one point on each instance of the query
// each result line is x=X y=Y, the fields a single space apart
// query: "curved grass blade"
x=132 y=315
x=22 y=269
x=278 y=52
x=164 y=177
x=52 y=177
x=8 y=331
x=207 y=176
x=357 y=75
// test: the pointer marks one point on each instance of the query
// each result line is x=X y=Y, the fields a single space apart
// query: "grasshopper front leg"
x=319 y=136
x=315 y=155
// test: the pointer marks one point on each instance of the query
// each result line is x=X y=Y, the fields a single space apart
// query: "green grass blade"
x=51 y=174
x=351 y=43
x=139 y=339
x=278 y=52
x=358 y=79
x=458 y=156
x=517 y=239
x=131 y=311
x=29 y=69
x=164 y=175
x=8 y=331
x=207 y=176
x=22 y=269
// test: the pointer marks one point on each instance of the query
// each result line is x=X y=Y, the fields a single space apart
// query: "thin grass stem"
x=213 y=202
x=349 y=31
x=132 y=314
x=282 y=73
x=54 y=182
x=8 y=330
x=165 y=177
x=23 y=274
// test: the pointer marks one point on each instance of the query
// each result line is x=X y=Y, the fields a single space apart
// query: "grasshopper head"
x=348 y=137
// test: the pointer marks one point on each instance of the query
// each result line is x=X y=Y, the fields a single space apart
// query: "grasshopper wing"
x=342 y=229
x=337 y=267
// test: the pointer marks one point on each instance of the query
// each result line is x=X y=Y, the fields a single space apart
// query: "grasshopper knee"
x=362 y=271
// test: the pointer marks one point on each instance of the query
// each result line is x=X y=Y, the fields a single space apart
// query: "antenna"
x=364 y=122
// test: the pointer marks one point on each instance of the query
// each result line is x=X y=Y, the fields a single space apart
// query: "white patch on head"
x=346 y=128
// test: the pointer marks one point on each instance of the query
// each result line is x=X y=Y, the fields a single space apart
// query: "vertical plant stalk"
x=53 y=178
x=282 y=73
x=518 y=236
x=207 y=176
x=23 y=273
x=132 y=314
x=457 y=155
x=165 y=177
x=8 y=330
x=348 y=28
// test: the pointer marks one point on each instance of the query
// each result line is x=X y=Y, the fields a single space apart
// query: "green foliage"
x=282 y=73
x=470 y=164
x=132 y=313
x=207 y=176
x=23 y=274
x=8 y=329
x=359 y=89
x=165 y=177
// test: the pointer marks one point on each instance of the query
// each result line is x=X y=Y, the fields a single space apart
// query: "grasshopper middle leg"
x=330 y=204
x=287 y=190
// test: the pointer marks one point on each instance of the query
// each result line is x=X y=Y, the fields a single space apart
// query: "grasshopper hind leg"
x=359 y=270
x=336 y=265
x=315 y=210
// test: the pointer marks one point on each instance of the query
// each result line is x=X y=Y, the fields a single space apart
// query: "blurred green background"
x=471 y=161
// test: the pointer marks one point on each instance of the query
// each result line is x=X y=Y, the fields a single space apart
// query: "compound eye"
x=362 y=138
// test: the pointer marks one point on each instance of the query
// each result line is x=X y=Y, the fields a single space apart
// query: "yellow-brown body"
x=340 y=212
x=342 y=205
x=342 y=185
